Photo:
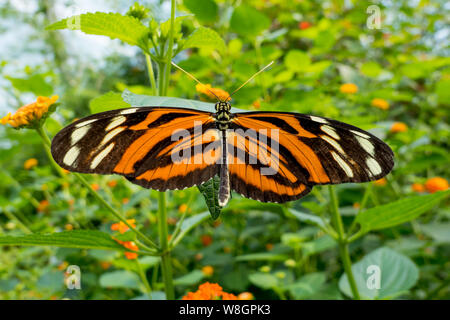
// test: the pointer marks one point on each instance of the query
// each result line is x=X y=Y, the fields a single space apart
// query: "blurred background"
x=383 y=66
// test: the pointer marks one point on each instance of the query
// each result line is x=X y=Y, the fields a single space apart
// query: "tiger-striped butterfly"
x=266 y=156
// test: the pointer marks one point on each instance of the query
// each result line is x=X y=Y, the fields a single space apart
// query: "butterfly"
x=301 y=150
x=262 y=155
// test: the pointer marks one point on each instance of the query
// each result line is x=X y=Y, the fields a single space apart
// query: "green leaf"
x=398 y=212
x=120 y=279
x=35 y=83
x=438 y=231
x=396 y=272
x=205 y=38
x=318 y=245
x=113 y=25
x=443 y=91
x=263 y=256
x=297 y=61
x=190 y=223
x=140 y=100
x=248 y=21
x=189 y=279
x=307 y=285
x=263 y=280
x=371 y=69
x=108 y=101
x=204 y=10
x=83 y=239
x=165 y=27
x=210 y=191
x=308 y=218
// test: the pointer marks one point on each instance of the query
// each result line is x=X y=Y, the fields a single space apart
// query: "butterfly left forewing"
x=137 y=143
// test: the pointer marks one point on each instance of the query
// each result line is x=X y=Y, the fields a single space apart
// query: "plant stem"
x=114 y=212
x=342 y=242
x=166 y=265
x=143 y=276
x=169 y=52
x=12 y=217
x=47 y=145
x=151 y=74
x=164 y=67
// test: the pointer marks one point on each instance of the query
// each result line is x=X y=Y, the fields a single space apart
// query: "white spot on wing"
x=366 y=144
x=85 y=123
x=115 y=122
x=98 y=158
x=78 y=134
x=128 y=111
x=334 y=143
x=373 y=165
x=111 y=135
x=360 y=134
x=317 y=119
x=330 y=131
x=348 y=171
x=71 y=156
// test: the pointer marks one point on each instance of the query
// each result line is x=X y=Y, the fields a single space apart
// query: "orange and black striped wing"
x=302 y=151
x=156 y=147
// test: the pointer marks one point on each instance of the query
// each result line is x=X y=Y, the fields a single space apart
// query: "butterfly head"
x=223 y=106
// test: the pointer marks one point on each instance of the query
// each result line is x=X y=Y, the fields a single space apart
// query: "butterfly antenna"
x=195 y=79
x=251 y=78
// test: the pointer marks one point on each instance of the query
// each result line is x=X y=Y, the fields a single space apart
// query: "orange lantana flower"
x=399 y=127
x=112 y=183
x=131 y=246
x=418 y=187
x=122 y=227
x=436 y=184
x=349 y=88
x=206 y=240
x=209 y=291
x=380 y=182
x=246 y=296
x=30 y=163
x=210 y=92
x=43 y=206
x=30 y=114
x=380 y=104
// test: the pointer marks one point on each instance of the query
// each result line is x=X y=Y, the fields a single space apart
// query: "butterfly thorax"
x=223 y=115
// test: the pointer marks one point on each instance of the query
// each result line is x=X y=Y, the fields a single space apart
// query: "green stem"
x=114 y=212
x=12 y=217
x=342 y=242
x=166 y=265
x=151 y=74
x=169 y=52
x=143 y=276
x=47 y=145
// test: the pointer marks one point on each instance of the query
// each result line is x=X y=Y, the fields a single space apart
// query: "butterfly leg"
x=224 y=187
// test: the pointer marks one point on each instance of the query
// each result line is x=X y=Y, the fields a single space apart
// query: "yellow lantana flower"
x=211 y=93
x=30 y=114
x=208 y=271
x=349 y=88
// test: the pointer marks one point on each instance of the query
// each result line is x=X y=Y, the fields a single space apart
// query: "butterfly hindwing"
x=139 y=143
